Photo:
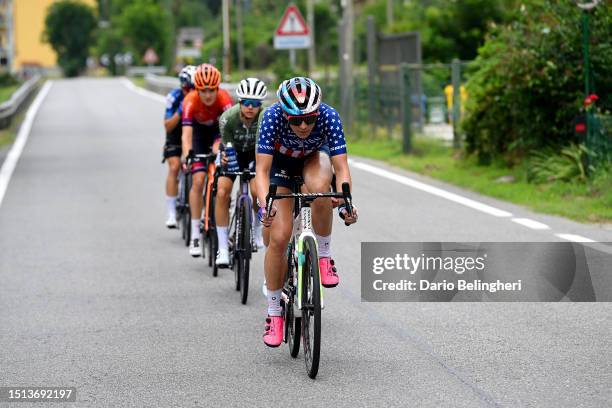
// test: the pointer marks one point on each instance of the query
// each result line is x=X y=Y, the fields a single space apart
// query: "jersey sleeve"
x=188 y=110
x=227 y=135
x=225 y=100
x=172 y=103
x=267 y=131
x=334 y=132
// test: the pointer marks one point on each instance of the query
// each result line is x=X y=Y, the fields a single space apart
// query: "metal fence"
x=428 y=97
x=599 y=139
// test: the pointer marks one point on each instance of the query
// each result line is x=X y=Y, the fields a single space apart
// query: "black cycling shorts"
x=285 y=168
x=173 y=146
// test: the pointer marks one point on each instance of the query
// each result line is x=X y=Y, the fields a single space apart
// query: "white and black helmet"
x=251 y=88
x=186 y=76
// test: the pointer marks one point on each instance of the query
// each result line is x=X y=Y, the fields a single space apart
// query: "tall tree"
x=68 y=28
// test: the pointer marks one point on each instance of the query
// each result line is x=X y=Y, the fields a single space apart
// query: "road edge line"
x=12 y=158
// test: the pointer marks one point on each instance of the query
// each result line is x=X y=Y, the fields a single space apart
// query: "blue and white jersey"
x=174 y=99
x=275 y=134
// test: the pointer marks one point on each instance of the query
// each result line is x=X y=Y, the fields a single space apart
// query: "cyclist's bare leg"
x=195 y=195
x=317 y=177
x=224 y=191
x=172 y=179
x=275 y=263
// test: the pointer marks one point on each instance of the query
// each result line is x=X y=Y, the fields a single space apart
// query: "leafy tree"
x=68 y=28
x=527 y=87
x=144 y=24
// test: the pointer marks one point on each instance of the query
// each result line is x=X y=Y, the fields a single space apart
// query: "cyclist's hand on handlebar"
x=348 y=220
x=335 y=202
x=265 y=218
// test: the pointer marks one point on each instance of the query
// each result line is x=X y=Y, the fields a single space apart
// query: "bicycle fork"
x=304 y=224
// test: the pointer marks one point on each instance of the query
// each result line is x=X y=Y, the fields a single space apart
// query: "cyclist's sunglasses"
x=309 y=119
x=250 y=102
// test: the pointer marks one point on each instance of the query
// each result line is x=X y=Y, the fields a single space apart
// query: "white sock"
x=256 y=223
x=274 y=308
x=195 y=229
x=324 y=244
x=222 y=235
x=171 y=206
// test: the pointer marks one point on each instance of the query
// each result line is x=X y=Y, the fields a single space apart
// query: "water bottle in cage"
x=232 y=158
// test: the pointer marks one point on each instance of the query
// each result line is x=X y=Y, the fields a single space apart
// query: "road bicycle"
x=183 y=211
x=302 y=294
x=208 y=232
x=240 y=232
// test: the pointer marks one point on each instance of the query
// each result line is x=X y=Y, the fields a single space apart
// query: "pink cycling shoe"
x=273 y=335
x=328 y=272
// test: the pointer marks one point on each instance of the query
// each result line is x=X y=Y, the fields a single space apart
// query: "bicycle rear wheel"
x=244 y=254
x=310 y=288
x=186 y=210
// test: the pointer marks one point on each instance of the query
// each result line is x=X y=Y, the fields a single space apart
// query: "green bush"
x=6 y=79
x=568 y=165
x=528 y=83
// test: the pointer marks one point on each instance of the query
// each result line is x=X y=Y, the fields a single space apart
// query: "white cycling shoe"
x=222 y=260
x=259 y=241
x=195 y=249
x=171 y=221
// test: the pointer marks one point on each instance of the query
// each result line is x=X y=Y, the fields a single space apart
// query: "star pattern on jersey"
x=276 y=134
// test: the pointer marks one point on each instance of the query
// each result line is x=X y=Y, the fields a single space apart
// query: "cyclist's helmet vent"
x=207 y=77
x=251 y=88
x=299 y=96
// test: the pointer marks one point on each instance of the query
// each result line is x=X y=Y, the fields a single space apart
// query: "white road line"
x=574 y=238
x=22 y=137
x=431 y=189
x=128 y=84
x=531 y=223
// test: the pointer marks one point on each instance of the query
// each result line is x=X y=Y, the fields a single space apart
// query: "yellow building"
x=28 y=26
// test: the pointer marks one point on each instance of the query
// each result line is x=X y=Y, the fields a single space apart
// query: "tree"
x=144 y=24
x=68 y=28
x=528 y=86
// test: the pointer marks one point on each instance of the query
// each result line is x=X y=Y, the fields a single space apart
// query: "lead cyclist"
x=298 y=136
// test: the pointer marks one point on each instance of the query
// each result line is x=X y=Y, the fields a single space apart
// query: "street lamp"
x=586 y=6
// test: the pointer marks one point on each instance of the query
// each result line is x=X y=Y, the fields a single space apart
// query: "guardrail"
x=11 y=107
x=143 y=71
x=164 y=84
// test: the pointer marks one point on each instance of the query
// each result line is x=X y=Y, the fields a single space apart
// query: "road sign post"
x=292 y=33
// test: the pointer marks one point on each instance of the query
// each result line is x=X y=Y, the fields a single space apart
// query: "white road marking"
x=22 y=137
x=531 y=223
x=431 y=189
x=574 y=238
x=144 y=92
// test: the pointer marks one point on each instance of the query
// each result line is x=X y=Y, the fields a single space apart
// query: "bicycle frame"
x=241 y=196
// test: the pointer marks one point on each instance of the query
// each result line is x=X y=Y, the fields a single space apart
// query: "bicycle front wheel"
x=311 y=306
x=244 y=254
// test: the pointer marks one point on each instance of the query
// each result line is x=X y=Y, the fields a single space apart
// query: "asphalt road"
x=95 y=293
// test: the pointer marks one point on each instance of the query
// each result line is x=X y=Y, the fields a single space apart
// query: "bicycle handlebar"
x=345 y=194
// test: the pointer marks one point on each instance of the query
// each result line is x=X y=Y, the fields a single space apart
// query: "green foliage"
x=528 y=82
x=6 y=80
x=549 y=165
x=68 y=28
x=144 y=24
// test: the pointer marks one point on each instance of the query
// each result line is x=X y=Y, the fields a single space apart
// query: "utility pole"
x=240 y=38
x=226 y=39
x=389 y=13
x=311 y=23
x=346 y=63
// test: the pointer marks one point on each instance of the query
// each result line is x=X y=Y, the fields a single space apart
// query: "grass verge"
x=7 y=91
x=590 y=203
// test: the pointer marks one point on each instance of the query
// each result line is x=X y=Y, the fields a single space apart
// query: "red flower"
x=580 y=128
x=587 y=102
x=593 y=97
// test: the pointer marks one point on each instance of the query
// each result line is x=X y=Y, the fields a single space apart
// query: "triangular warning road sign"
x=292 y=23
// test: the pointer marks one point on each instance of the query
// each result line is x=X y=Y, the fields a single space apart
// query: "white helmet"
x=186 y=76
x=251 y=88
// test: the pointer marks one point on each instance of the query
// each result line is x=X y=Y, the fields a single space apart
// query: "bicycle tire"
x=244 y=256
x=310 y=288
x=293 y=323
x=187 y=211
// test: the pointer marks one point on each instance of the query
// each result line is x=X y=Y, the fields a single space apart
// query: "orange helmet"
x=207 y=77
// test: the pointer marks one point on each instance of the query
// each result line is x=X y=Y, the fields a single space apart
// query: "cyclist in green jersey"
x=238 y=126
